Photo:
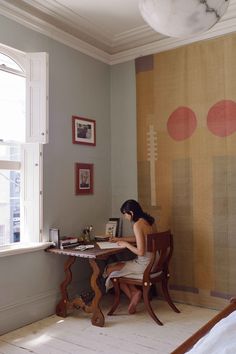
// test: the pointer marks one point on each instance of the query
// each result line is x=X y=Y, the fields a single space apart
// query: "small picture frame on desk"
x=111 y=229
x=118 y=226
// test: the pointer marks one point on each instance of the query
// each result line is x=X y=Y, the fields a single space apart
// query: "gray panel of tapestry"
x=182 y=222
x=144 y=191
x=224 y=223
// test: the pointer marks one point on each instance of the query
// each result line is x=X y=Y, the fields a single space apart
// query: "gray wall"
x=79 y=85
x=123 y=137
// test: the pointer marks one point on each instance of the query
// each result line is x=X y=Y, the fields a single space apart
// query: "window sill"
x=23 y=248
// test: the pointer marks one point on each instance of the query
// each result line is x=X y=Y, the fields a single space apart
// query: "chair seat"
x=139 y=277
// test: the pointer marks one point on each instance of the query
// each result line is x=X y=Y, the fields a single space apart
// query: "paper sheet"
x=107 y=245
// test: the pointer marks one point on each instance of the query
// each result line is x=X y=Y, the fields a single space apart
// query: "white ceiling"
x=109 y=30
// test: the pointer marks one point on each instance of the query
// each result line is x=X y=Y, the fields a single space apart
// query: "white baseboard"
x=28 y=310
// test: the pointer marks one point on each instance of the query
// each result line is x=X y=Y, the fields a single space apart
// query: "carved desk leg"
x=61 y=309
x=97 y=315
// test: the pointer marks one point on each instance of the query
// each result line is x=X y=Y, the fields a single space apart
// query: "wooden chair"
x=161 y=246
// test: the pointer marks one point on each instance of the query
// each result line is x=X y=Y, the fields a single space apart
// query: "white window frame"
x=35 y=67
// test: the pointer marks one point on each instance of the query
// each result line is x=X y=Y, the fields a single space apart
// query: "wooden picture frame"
x=83 y=131
x=111 y=228
x=118 y=225
x=83 y=178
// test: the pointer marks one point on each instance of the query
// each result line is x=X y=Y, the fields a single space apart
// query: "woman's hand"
x=130 y=239
x=123 y=243
x=114 y=239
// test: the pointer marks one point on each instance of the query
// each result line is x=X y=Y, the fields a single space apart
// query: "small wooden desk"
x=92 y=255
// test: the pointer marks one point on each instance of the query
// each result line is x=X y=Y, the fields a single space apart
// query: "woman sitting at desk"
x=143 y=224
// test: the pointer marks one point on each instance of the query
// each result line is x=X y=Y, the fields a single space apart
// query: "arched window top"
x=8 y=64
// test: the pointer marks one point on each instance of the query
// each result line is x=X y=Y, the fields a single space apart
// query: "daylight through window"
x=12 y=123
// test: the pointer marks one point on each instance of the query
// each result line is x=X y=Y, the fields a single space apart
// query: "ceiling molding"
x=53 y=32
x=72 y=19
x=162 y=45
x=136 y=36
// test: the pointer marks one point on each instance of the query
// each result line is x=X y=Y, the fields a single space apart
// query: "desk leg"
x=61 y=309
x=97 y=317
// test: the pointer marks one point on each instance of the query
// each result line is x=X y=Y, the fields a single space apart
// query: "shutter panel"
x=31 y=208
x=37 y=98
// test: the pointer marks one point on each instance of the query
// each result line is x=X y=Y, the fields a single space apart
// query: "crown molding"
x=226 y=25
x=166 y=44
x=66 y=16
x=135 y=34
x=51 y=31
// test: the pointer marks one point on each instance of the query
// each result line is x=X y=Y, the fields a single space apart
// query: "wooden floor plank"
x=122 y=334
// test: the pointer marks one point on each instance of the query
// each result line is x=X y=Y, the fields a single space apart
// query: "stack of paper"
x=107 y=245
x=102 y=237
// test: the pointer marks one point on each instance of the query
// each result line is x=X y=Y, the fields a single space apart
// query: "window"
x=10 y=177
x=23 y=130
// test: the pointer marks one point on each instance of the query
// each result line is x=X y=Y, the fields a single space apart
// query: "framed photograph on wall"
x=83 y=131
x=83 y=178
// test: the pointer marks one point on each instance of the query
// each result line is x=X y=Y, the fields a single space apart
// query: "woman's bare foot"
x=134 y=302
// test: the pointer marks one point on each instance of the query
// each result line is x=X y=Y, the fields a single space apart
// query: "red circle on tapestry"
x=181 y=123
x=221 y=118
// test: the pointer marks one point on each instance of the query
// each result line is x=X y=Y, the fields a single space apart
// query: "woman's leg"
x=118 y=266
x=136 y=295
x=114 y=267
x=133 y=293
x=125 y=288
x=111 y=268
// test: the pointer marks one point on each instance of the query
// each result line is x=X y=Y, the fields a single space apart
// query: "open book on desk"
x=107 y=245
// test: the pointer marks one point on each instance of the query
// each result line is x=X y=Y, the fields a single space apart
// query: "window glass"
x=10 y=152
x=12 y=107
x=9 y=206
x=8 y=62
x=20 y=162
x=12 y=129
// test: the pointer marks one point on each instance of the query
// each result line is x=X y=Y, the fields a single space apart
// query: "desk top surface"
x=92 y=253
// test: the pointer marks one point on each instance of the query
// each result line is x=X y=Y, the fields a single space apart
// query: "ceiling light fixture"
x=182 y=18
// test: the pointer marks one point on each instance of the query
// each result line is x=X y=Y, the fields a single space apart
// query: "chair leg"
x=148 y=305
x=116 y=296
x=165 y=290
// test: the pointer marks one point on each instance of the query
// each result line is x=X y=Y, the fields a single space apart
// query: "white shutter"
x=31 y=190
x=37 y=98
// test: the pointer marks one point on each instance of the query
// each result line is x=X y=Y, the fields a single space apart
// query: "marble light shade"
x=182 y=18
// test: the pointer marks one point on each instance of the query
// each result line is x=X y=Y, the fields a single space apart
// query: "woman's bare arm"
x=139 y=250
x=123 y=238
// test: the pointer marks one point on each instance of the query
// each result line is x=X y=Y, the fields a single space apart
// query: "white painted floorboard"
x=122 y=334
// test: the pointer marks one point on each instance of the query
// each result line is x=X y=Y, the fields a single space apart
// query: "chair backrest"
x=160 y=244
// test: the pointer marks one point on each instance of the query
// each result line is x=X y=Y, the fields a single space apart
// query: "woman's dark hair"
x=132 y=205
